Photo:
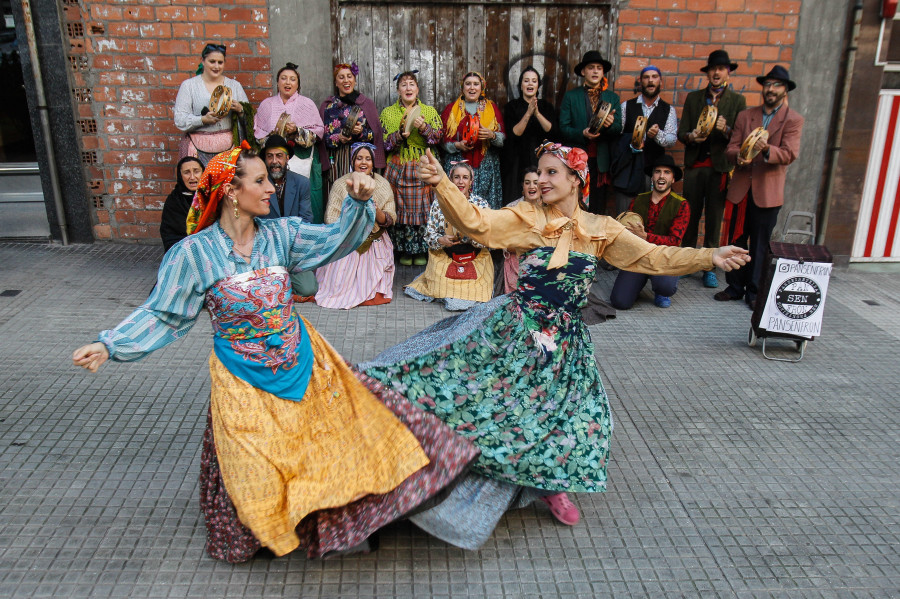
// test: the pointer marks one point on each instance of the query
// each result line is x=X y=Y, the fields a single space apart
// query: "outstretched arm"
x=508 y=227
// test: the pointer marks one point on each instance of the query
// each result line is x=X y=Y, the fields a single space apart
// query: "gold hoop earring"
x=237 y=214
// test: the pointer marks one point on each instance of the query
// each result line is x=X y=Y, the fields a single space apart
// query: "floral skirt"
x=321 y=474
x=358 y=278
x=409 y=239
x=521 y=382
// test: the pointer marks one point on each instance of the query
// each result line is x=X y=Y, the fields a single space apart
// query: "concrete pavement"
x=731 y=475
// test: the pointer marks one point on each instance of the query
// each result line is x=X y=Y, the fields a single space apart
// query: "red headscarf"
x=218 y=172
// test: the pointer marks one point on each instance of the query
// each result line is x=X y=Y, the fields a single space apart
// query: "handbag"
x=462 y=257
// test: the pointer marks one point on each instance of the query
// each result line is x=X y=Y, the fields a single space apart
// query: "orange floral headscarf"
x=574 y=158
x=218 y=172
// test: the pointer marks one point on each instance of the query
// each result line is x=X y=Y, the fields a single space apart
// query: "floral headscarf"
x=574 y=158
x=352 y=67
x=359 y=146
x=218 y=172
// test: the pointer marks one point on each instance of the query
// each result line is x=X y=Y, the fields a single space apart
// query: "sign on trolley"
x=796 y=298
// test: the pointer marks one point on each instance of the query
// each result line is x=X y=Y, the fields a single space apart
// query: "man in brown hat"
x=575 y=113
x=756 y=193
x=706 y=168
x=665 y=215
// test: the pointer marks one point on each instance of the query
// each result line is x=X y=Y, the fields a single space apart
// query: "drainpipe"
x=43 y=111
x=835 y=149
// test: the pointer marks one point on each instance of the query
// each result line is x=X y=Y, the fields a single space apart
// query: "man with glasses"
x=756 y=193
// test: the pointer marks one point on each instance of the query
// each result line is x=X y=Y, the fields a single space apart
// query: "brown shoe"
x=724 y=296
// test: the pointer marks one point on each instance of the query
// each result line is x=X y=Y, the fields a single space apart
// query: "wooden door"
x=445 y=39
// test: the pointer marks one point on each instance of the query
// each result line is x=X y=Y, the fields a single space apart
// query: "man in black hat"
x=292 y=191
x=665 y=215
x=578 y=106
x=706 y=168
x=661 y=132
x=756 y=193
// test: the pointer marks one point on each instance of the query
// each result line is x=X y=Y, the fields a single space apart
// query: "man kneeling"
x=666 y=215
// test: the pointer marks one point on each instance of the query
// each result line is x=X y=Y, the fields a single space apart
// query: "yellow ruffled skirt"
x=281 y=459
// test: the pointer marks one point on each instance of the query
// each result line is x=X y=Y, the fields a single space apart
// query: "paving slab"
x=731 y=475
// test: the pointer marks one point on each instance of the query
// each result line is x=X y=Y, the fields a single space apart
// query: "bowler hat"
x=276 y=141
x=592 y=56
x=665 y=160
x=717 y=58
x=780 y=73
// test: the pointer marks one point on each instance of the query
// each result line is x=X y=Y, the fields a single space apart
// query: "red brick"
x=628 y=17
x=767 y=21
x=712 y=20
x=667 y=34
x=142 y=46
x=219 y=30
x=188 y=31
x=116 y=29
x=786 y=55
x=701 y=6
x=695 y=34
x=103 y=217
x=739 y=20
x=231 y=15
x=150 y=217
x=680 y=50
x=730 y=5
x=753 y=37
x=626 y=48
x=638 y=33
x=103 y=12
x=781 y=38
x=787 y=6
x=250 y=31
x=650 y=49
x=642 y=4
x=203 y=13
x=683 y=19
x=768 y=53
x=102 y=232
x=724 y=37
x=172 y=13
x=139 y=13
x=652 y=17
x=135 y=231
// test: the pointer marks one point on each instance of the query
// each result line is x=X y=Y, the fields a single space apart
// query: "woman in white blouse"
x=206 y=134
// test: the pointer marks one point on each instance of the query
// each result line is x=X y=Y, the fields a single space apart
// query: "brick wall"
x=678 y=35
x=128 y=59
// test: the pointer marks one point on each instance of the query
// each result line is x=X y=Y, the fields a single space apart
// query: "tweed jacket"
x=730 y=104
x=574 y=116
x=764 y=175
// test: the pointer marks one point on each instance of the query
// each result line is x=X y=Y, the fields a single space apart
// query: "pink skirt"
x=510 y=271
x=358 y=278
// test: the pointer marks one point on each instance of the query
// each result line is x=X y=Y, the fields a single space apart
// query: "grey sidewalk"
x=731 y=475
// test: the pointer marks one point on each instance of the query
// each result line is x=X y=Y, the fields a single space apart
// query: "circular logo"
x=798 y=298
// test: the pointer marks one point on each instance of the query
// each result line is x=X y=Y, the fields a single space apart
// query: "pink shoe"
x=562 y=508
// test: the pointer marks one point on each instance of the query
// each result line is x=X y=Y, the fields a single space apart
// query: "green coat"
x=730 y=104
x=574 y=116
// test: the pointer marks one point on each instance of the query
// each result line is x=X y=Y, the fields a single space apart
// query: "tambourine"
x=468 y=130
x=220 y=101
x=305 y=137
x=409 y=117
x=707 y=120
x=352 y=119
x=596 y=122
x=748 y=150
x=637 y=136
x=630 y=219
x=283 y=121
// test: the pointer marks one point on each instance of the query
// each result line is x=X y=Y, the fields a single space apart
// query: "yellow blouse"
x=526 y=226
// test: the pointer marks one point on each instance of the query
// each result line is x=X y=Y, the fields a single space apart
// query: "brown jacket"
x=765 y=175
